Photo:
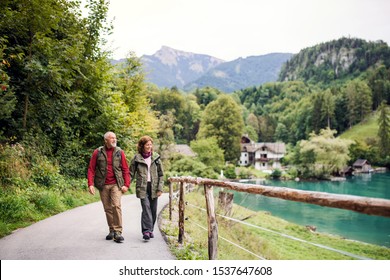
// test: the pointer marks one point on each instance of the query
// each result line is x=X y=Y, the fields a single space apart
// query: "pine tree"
x=384 y=130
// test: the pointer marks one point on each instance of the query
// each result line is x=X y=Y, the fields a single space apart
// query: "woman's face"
x=148 y=147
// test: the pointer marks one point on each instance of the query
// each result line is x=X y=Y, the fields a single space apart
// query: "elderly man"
x=108 y=171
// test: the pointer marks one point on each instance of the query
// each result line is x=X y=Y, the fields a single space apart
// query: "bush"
x=188 y=166
x=47 y=202
x=276 y=174
x=13 y=162
x=230 y=172
x=14 y=208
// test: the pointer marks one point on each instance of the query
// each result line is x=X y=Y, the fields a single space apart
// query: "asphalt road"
x=79 y=234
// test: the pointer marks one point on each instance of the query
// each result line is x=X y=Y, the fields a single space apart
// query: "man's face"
x=110 y=141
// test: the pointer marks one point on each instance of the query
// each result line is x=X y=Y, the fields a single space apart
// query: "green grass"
x=262 y=243
x=363 y=131
x=23 y=202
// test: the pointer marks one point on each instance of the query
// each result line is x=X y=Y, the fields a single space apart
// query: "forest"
x=59 y=94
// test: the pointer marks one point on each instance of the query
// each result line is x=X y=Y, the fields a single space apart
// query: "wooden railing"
x=366 y=205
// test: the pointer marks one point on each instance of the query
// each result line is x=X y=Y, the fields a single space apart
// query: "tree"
x=209 y=153
x=281 y=133
x=190 y=119
x=359 y=98
x=131 y=108
x=323 y=154
x=253 y=121
x=379 y=82
x=384 y=130
x=7 y=97
x=222 y=119
x=328 y=106
x=66 y=92
x=165 y=134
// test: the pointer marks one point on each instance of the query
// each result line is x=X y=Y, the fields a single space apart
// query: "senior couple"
x=109 y=172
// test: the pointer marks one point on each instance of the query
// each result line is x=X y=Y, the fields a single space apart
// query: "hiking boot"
x=110 y=236
x=118 y=237
x=146 y=236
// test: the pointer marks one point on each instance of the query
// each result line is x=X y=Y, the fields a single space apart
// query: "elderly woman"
x=147 y=170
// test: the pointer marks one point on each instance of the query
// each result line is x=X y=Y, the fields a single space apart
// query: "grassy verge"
x=258 y=242
x=23 y=202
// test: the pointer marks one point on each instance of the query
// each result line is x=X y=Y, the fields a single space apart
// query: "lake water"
x=345 y=223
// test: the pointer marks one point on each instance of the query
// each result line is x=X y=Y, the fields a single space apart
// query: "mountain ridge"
x=169 y=67
x=242 y=72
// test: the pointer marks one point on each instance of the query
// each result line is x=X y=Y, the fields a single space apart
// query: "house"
x=347 y=171
x=262 y=156
x=362 y=166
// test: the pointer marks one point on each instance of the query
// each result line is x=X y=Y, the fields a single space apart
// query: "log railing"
x=365 y=205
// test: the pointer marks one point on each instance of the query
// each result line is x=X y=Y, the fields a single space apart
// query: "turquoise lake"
x=345 y=223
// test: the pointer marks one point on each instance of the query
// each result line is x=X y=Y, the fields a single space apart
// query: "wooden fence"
x=366 y=205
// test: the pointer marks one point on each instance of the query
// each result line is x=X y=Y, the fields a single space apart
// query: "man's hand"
x=91 y=190
x=124 y=189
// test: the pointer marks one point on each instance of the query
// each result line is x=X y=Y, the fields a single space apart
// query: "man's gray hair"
x=108 y=133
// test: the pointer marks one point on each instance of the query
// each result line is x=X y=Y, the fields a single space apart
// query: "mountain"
x=169 y=67
x=334 y=60
x=242 y=73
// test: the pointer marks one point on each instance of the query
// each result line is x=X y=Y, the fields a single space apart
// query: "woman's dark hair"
x=142 y=142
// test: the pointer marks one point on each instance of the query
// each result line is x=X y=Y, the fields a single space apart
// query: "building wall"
x=244 y=159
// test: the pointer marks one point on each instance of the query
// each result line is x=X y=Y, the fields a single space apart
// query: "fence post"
x=170 y=199
x=181 y=213
x=212 y=223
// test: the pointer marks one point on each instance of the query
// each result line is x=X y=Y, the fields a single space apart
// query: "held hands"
x=91 y=190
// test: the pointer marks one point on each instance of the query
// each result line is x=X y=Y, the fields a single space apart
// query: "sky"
x=229 y=29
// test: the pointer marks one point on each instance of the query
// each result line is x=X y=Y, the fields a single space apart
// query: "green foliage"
x=230 y=171
x=7 y=97
x=334 y=60
x=209 y=153
x=384 y=130
x=189 y=166
x=359 y=99
x=184 y=108
x=222 y=119
x=276 y=173
x=323 y=154
x=15 y=208
x=13 y=163
x=206 y=95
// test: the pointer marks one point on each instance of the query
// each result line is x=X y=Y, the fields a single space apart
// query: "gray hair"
x=107 y=134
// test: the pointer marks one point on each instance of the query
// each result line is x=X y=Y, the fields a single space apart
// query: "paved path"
x=79 y=234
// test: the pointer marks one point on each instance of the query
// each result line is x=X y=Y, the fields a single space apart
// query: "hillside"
x=169 y=67
x=242 y=73
x=185 y=70
x=334 y=60
x=366 y=130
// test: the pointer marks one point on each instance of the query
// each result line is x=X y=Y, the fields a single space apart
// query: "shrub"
x=13 y=162
x=14 y=208
x=230 y=172
x=276 y=173
x=47 y=202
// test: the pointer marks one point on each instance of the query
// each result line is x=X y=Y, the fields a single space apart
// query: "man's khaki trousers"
x=111 y=199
